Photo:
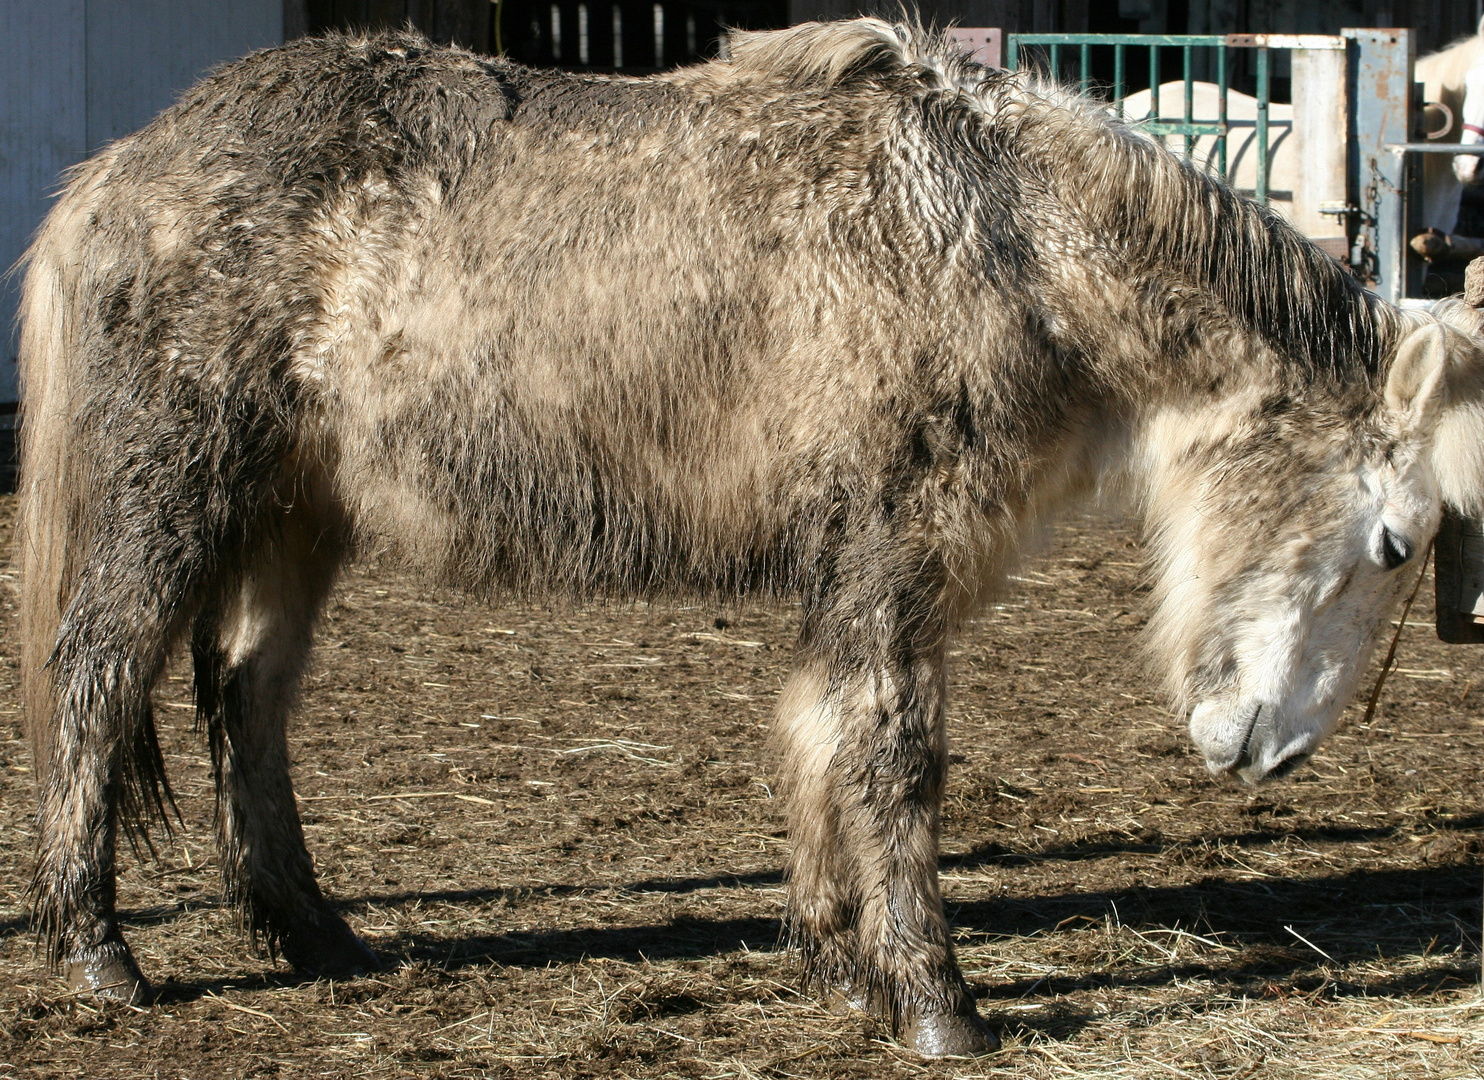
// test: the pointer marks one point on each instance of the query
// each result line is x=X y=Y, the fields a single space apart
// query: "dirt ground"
x=556 y=826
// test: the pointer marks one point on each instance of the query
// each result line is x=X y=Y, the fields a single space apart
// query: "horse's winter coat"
x=843 y=318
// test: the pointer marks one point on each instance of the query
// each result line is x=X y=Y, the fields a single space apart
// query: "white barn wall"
x=43 y=129
x=143 y=53
x=76 y=74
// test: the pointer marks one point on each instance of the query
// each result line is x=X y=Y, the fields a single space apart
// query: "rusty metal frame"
x=1384 y=189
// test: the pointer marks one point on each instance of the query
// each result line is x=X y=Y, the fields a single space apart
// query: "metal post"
x=1084 y=69
x=1381 y=98
x=1221 y=108
x=1189 y=99
x=1118 y=79
x=1262 y=125
x=1320 y=117
x=1055 y=62
x=1012 y=54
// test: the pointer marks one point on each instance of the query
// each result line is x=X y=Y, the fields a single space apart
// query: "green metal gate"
x=1057 y=46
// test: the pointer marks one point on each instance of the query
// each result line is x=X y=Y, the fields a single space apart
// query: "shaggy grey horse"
x=844 y=318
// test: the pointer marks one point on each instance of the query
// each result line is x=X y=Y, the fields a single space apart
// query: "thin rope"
x=1386 y=668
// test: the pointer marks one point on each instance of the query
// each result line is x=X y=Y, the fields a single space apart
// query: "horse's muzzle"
x=1244 y=740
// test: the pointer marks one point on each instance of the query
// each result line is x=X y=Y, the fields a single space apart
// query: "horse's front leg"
x=865 y=758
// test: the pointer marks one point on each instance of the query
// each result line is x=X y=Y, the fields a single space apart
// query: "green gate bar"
x=1185 y=52
x=1152 y=120
x=1221 y=110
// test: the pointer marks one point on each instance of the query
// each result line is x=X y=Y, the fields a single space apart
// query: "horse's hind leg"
x=97 y=632
x=250 y=650
x=865 y=757
x=105 y=730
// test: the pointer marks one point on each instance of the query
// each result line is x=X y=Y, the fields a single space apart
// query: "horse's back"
x=544 y=329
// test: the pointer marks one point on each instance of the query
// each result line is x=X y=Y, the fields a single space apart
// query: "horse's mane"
x=832 y=52
x=1160 y=214
x=1168 y=218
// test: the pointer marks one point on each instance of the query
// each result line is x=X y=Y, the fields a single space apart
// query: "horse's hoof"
x=328 y=949
x=108 y=970
x=951 y=1035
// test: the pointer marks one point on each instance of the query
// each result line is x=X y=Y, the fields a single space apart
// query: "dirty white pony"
x=843 y=318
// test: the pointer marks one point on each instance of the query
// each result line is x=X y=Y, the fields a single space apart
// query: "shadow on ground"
x=1349 y=916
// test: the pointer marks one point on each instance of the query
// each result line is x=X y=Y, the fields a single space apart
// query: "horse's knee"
x=821 y=885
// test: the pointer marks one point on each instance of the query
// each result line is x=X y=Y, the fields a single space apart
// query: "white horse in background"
x=1465 y=166
x=1453 y=78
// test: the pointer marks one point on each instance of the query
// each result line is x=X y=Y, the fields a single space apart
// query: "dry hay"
x=557 y=826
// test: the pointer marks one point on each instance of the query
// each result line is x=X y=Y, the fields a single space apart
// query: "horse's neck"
x=1188 y=261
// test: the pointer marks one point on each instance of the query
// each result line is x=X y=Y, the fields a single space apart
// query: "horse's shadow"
x=1097 y=848
x=1348 y=915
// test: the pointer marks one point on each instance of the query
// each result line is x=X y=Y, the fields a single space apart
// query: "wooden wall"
x=458 y=22
x=1436 y=22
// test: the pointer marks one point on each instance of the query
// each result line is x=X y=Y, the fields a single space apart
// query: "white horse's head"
x=1285 y=528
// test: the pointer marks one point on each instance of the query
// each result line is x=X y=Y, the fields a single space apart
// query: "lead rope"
x=1370 y=709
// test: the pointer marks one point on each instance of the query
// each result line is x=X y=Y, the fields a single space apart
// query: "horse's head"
x=1285 y=530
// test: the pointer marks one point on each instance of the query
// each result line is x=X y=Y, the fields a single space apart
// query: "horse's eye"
x=1394 y=550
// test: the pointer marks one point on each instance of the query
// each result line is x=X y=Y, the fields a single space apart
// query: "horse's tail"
x=54 y=479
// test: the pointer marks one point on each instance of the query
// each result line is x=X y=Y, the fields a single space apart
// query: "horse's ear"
x=1416 y=385
x=1436 y=388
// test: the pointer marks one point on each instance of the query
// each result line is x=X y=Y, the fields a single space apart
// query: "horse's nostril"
x=1286 y=766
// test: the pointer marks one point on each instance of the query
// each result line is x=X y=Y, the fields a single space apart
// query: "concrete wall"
x=75 y=74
